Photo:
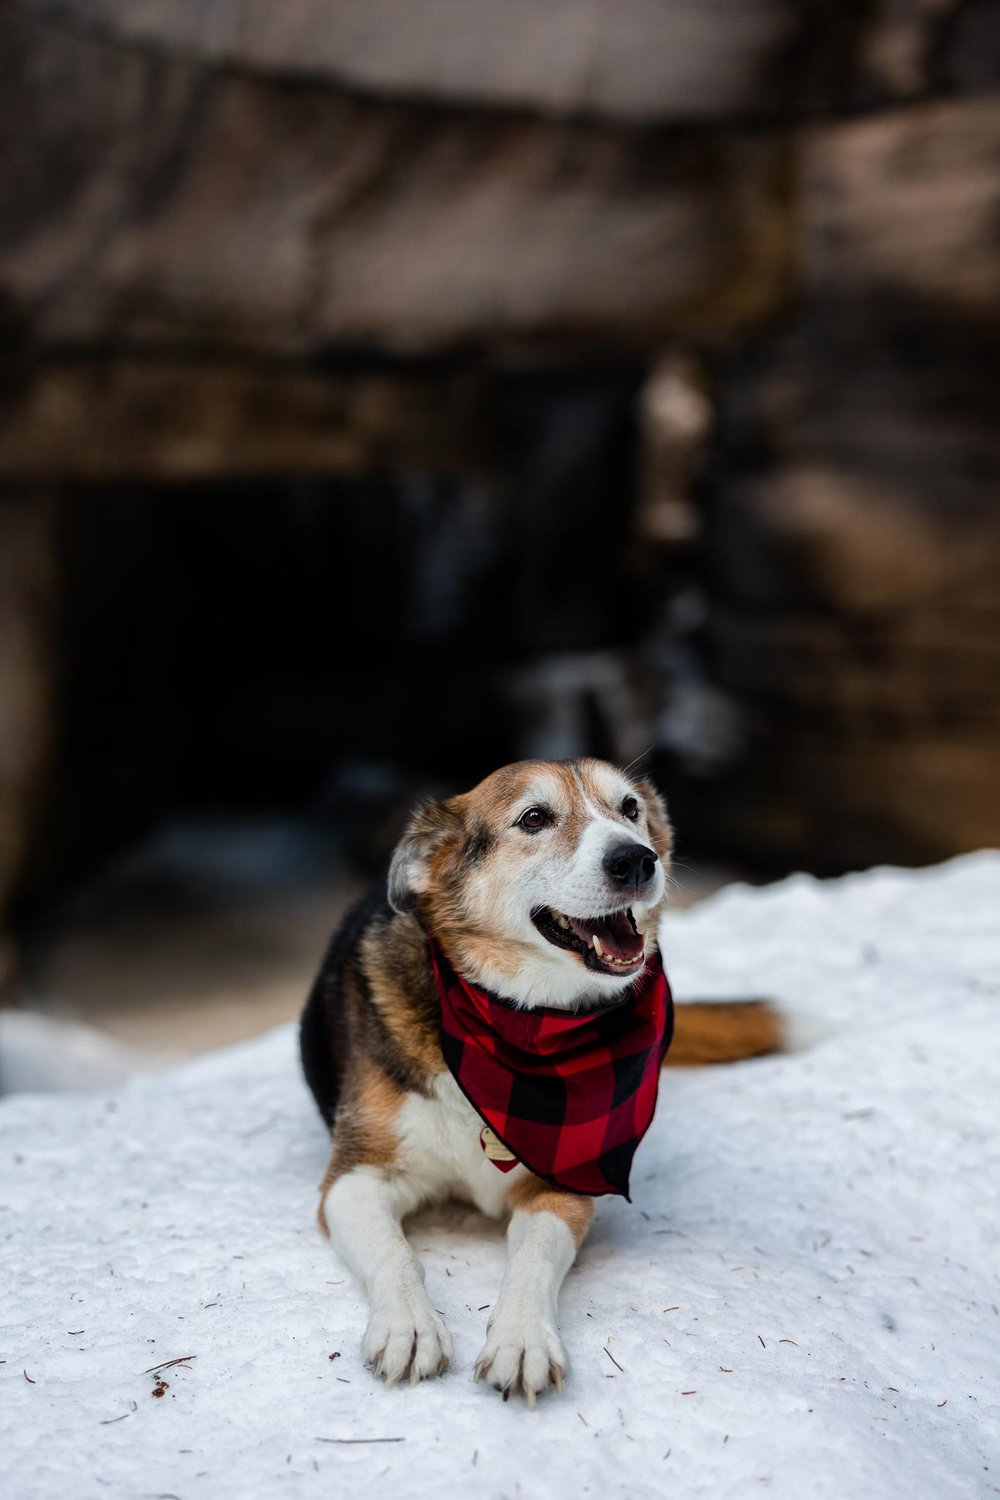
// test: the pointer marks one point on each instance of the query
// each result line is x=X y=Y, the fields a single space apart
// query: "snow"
x=43 y=1054
x=802 y=1300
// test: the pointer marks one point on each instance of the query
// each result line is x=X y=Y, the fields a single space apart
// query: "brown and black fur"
x=371 y=1052
x=374 y=996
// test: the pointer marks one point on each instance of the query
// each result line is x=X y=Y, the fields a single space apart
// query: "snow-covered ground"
x=801 y=1302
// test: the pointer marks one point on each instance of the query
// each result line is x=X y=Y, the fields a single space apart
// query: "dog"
x=510 y=958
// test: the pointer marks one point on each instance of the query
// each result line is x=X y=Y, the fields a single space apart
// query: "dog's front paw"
x=522 y=1355
x=405 y=1337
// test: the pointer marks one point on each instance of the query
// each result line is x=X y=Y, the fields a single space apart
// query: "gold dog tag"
x=494 y=1147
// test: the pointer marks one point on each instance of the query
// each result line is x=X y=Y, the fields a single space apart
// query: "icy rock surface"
x=802 y=1300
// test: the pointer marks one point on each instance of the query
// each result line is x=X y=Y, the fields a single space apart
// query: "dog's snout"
x=630 y=865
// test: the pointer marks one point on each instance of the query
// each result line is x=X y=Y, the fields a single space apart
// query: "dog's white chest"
x=440 y=1142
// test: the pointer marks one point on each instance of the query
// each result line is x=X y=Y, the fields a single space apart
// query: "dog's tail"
x=728 y=1031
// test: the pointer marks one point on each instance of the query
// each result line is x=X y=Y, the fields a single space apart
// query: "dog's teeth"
x=561 y=920
x=597 y=945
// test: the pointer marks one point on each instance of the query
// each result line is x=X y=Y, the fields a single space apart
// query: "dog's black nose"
x=630 y=865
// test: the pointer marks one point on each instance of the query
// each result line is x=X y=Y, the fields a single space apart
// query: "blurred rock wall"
x=277 y=242
x=27 y=603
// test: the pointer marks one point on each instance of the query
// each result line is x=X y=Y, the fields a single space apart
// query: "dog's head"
x=544 y=883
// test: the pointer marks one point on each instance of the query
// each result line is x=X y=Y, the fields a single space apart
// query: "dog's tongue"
x=615 y=934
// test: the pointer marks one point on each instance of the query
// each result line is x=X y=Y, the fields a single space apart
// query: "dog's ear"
x=656 y=815
x=432 y=827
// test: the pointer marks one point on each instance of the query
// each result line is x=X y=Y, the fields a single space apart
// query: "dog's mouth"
x=609 y=945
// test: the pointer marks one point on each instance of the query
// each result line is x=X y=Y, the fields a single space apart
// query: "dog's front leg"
x=523 y=1351
x=363 y=1209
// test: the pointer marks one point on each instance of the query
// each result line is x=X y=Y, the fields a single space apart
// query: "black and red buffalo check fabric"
x=570 y=1095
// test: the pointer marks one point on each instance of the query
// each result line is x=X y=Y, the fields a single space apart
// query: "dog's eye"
x=630 y=808
x=534 y=818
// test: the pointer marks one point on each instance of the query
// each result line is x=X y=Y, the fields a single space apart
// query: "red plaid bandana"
x=570 y=1095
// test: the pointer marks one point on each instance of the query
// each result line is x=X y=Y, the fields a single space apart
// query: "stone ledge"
x=168 y=421
x=153 y=201
x=642 y=60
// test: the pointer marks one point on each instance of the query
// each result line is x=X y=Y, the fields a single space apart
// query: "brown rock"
x=635 y=59
x=175 y=420
x=827 y=533
x=27 y=676
x=907 y=202
x=898 y=48
x=903 y=676
x=865 y=440
x=157 y=202
x=970 y=49
x=912 y=49
x=846 y=802
x=853 y=535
